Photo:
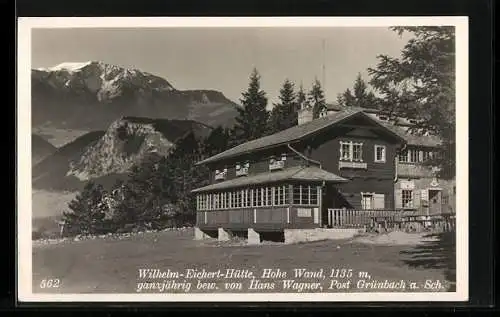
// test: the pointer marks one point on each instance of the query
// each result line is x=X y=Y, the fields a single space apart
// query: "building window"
x=380 y=153
x=238 y=199
x=280 y=196
x=345 y=151
x=313 y=195
x=257 y=197
x=372 y=201
x=403 y=156
x=357 y=154
x=285 y=195
x=297 y=194
x=269 y=196
x=216 y=201
x=243 y=199
x=248 y=198
x=426 y=155
x=305 y=195
x=407 y=198
x=445 y=200
x=412 y=156
x=366 y=200
x=350 y=151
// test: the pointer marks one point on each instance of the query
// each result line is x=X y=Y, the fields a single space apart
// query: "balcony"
x=354 y=165
x=220 y=175
x=276 y=165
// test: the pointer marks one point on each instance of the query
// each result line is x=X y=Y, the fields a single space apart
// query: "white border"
x=24 y=260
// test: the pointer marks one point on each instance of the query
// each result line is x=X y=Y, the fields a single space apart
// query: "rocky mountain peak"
x=127 y=141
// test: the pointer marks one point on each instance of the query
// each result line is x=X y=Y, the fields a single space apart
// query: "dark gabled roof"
x=334 y=106
x=296 y=133
x=412 y=139
x=297 y=173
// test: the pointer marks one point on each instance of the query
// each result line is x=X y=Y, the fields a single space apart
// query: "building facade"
x=289 y=180
x=347 y=158
x=417 y=187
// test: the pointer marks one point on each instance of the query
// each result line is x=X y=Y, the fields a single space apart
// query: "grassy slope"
x=107 y=265
x=49 y=204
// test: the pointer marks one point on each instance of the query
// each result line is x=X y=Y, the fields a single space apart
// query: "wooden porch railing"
x=361 y=218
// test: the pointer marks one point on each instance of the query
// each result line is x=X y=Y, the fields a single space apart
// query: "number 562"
x=50 y=283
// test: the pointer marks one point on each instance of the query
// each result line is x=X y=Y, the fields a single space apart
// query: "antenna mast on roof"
x=324 y=67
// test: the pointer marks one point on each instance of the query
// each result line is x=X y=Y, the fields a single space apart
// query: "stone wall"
x=303 y=235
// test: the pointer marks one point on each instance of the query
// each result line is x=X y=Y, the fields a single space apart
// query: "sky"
x=223 y=58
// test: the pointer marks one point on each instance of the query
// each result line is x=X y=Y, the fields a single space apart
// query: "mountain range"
x=122 y=115
x=91 y=95
x=105 y=156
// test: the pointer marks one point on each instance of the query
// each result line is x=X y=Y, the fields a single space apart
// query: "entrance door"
x=434 y=202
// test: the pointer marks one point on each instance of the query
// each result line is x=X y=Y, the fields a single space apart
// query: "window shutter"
x=398 y=199
x=379 y=201
x=416 y=199
x=424 y=197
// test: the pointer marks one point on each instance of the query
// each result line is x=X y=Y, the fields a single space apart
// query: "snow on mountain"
x=91 y=95
x=70 y=67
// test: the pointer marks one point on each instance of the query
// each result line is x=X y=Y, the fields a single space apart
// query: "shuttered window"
x=379 y=201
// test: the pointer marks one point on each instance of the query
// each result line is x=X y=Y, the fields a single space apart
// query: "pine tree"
x=360 y=97
x=184 y=176
x=421 y=85
x=316 y=99
x=301 y=97
x=346 y=99
x=87 y=211
x=284 y=113
x=216 y=142
x=252 y=118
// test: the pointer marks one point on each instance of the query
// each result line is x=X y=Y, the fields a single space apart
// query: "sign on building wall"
x=407 y=185
x=303 y=212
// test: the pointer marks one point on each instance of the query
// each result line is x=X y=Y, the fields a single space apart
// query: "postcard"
x=199 y=159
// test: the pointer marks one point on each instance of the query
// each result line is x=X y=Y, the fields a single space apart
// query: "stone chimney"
x=305 y=113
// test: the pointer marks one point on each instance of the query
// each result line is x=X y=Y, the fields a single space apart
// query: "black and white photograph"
x=242 y=159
